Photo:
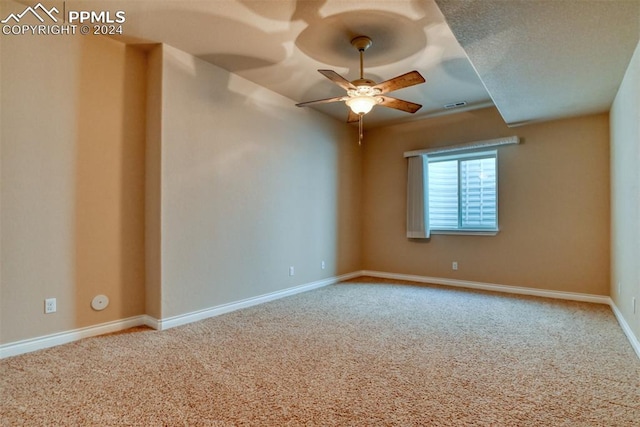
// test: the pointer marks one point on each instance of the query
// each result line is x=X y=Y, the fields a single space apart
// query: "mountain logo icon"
x=33 y=11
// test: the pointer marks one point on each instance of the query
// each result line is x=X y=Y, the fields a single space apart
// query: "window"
x=454 y=189
x=461 y=192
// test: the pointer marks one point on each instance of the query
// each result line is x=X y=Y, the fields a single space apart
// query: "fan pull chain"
x=360 y=132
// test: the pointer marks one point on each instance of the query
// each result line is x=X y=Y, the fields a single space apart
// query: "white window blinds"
x=478 y=193
x=453 y=189
x=462 y=191
x=443 y=194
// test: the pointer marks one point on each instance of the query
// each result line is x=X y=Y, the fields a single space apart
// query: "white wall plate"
x=100 y=302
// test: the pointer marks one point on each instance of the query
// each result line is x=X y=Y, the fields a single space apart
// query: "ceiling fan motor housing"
x=363 y=82
x=364 y=87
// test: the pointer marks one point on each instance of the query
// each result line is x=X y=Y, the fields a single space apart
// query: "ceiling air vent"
x=455 y=105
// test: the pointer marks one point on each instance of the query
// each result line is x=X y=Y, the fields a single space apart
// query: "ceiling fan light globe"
x=361 y=104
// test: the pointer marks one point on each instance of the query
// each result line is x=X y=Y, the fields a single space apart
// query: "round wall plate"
x=100 y=302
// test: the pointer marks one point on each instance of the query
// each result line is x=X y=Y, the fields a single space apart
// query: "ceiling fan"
x=363 y=94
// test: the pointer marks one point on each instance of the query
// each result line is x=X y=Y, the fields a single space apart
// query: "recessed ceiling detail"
x=328 y=40
x=278 y=44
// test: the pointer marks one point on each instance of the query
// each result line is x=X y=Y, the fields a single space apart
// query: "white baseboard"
x=573 y=296
x=39 y=343
x=183 y=319
x=633 y=340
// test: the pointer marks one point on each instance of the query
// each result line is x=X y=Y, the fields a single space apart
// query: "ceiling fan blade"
x=337 y=79
x=353 y=117
x=321 y=101
x=409 y=79
x=399 y=104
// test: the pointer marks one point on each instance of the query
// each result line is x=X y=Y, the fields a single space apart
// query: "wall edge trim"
x=46 y=341
x=546 y=293
x=39 y=343
x=633 y=340
x=194 y=316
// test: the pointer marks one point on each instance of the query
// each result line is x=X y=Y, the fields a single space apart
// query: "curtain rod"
x=466 y=146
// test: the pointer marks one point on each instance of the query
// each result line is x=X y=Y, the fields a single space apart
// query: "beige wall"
x=553 y=204
x=250 y=185
x=153 y=196
x=234 y=185
x=240 y=185
x=625 y=195
x=72 y=184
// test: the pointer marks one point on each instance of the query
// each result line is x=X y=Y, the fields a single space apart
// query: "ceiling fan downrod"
x=361 y=43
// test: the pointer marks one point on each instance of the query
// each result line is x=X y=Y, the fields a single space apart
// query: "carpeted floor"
x=364 y=353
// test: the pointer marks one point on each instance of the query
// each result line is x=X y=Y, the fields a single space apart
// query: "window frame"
x=467 y=155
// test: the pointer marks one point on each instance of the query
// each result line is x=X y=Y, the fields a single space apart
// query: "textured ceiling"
x=547 y=59
x=535 y=59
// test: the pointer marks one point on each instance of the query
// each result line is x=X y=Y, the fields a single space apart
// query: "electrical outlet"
x=292 y=271
x=322 y=265
x=454 y=265
x=49 y=305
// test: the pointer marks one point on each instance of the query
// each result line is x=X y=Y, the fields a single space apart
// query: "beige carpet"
x=364 y=353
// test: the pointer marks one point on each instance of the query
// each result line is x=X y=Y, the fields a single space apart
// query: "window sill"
x=466 y=232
